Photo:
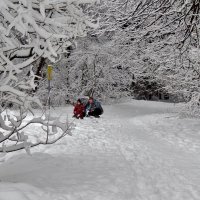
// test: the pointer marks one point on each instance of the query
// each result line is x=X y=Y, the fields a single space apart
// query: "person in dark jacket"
x=93 y=108
x=79 y=110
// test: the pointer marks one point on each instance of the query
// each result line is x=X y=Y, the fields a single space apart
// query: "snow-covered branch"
x=31 y=30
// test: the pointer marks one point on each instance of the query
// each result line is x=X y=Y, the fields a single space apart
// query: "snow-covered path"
x=161 y=170
x=135 y=151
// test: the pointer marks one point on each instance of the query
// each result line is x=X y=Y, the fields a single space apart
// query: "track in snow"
x=116 y=157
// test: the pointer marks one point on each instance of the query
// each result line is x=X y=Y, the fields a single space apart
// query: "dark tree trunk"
x=39 y=70
x=40 y=67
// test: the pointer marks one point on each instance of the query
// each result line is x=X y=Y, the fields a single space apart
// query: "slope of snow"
x=136 y=151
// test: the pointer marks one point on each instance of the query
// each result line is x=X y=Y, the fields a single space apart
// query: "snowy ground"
x=135 y=151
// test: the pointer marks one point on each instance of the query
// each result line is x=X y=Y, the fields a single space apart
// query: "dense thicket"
x=153 y=44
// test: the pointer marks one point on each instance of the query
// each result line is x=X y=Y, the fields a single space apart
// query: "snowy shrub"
x=191 y=108
x=33 y=30
x=90 y=70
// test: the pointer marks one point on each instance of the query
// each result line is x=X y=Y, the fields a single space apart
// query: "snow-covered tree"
x=146 y=39
x=31 y=30
x=90 y=70
x=154 y=37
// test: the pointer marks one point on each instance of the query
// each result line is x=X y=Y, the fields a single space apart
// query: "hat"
x=79 y=100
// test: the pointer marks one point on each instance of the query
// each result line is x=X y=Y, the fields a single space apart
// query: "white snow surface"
x=137 y=150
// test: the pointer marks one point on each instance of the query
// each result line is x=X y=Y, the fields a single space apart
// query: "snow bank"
x=21 y=191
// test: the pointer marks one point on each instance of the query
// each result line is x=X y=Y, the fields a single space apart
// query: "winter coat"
x=79 y=110
x=93 y=106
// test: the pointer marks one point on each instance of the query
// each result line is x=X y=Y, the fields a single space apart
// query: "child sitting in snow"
x=79 y=110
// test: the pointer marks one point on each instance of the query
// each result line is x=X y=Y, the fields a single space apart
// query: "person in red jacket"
x=79 y=110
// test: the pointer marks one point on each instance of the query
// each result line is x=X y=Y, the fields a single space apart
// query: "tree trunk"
x=38 y=72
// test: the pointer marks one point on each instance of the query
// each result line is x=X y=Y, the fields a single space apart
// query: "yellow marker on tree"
x=49 y=72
